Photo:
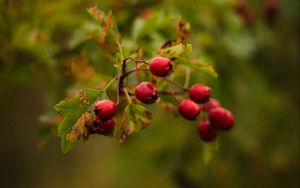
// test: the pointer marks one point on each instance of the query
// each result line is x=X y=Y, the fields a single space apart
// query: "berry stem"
x=121 y=76
x=173 y=93
x=136 y=73
x=168 y=92
x=187 y=77
x=135 y=70
x=110 y=82
x=127 y=96
x=176 y=84
x=136 y=60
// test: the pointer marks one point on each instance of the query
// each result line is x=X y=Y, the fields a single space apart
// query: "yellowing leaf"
x=109 y=36
x=176 y=51
x=135 y=118
x=96 y=13
x=79 y=129
x=74 y=110
x=199 y=66
x=182 y=29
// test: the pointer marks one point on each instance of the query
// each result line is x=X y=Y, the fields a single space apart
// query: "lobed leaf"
x=109 y=36
x=74 y=110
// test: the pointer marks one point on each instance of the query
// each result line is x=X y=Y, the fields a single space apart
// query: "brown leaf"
x=183 y=29
x=80 y=127
x=96 y=13
x=183 y=32
x=80 y=68
x=170 y=43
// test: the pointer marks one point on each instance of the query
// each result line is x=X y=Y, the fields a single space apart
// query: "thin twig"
x=169 y=93
x=118 y=89
x=187 y=77
x=123 y=74
x=136 y=60
x=135 y=70
x=176 y=84
x=173 y=93
x=127 y=95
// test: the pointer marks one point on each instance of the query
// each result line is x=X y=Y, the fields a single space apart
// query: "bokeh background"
x=254 y=47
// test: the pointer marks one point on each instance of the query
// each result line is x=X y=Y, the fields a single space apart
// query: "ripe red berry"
x=189 y=109
x=105 y=109
x=103 y=127
x=200 y=93
x=230 y=120
x=221 y=118
x=146 y=93
x=107 y=126
x=206 y=131
x=212 y=103
x=161 y=66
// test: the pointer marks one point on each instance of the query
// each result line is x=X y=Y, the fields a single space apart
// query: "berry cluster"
x=104 y=111
x=214 y=116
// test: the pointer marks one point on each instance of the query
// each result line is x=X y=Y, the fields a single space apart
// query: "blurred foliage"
x=49 y=45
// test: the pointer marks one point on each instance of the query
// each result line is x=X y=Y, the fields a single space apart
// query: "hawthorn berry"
x=103 y=127
x=161 y=66
x=200 y=93
x=206 y=131
x=146 y=93
x=212 y=103
x=221 y=118
x=189 y=109
x=107 y=126
x=105 y=109
x=230 y=120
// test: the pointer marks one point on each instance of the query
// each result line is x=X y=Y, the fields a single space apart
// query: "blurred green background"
x=254 y=48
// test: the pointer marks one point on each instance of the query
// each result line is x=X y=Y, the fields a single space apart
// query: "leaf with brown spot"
x=80 y=127
x=183 y=29
x=135 y=118
x=74 y=110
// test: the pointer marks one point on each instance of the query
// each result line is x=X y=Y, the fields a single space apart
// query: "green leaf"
x=201 y=66
x=206 y=68
x=73 y=110
x=143 y=27
x=66 y=145
x=176 y=51
x=109 y=36
x=135 y=118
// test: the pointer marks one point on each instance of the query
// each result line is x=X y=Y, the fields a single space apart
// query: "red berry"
x=103 y=127
x=105 y=109
x=206 y=131
x=189 y=109
x=221 y=118
x=200 y=93
x=230 y=120
x=161 y=66
x=146 y=93
x=107 y=126
x=212 y=103
x=95 y=127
